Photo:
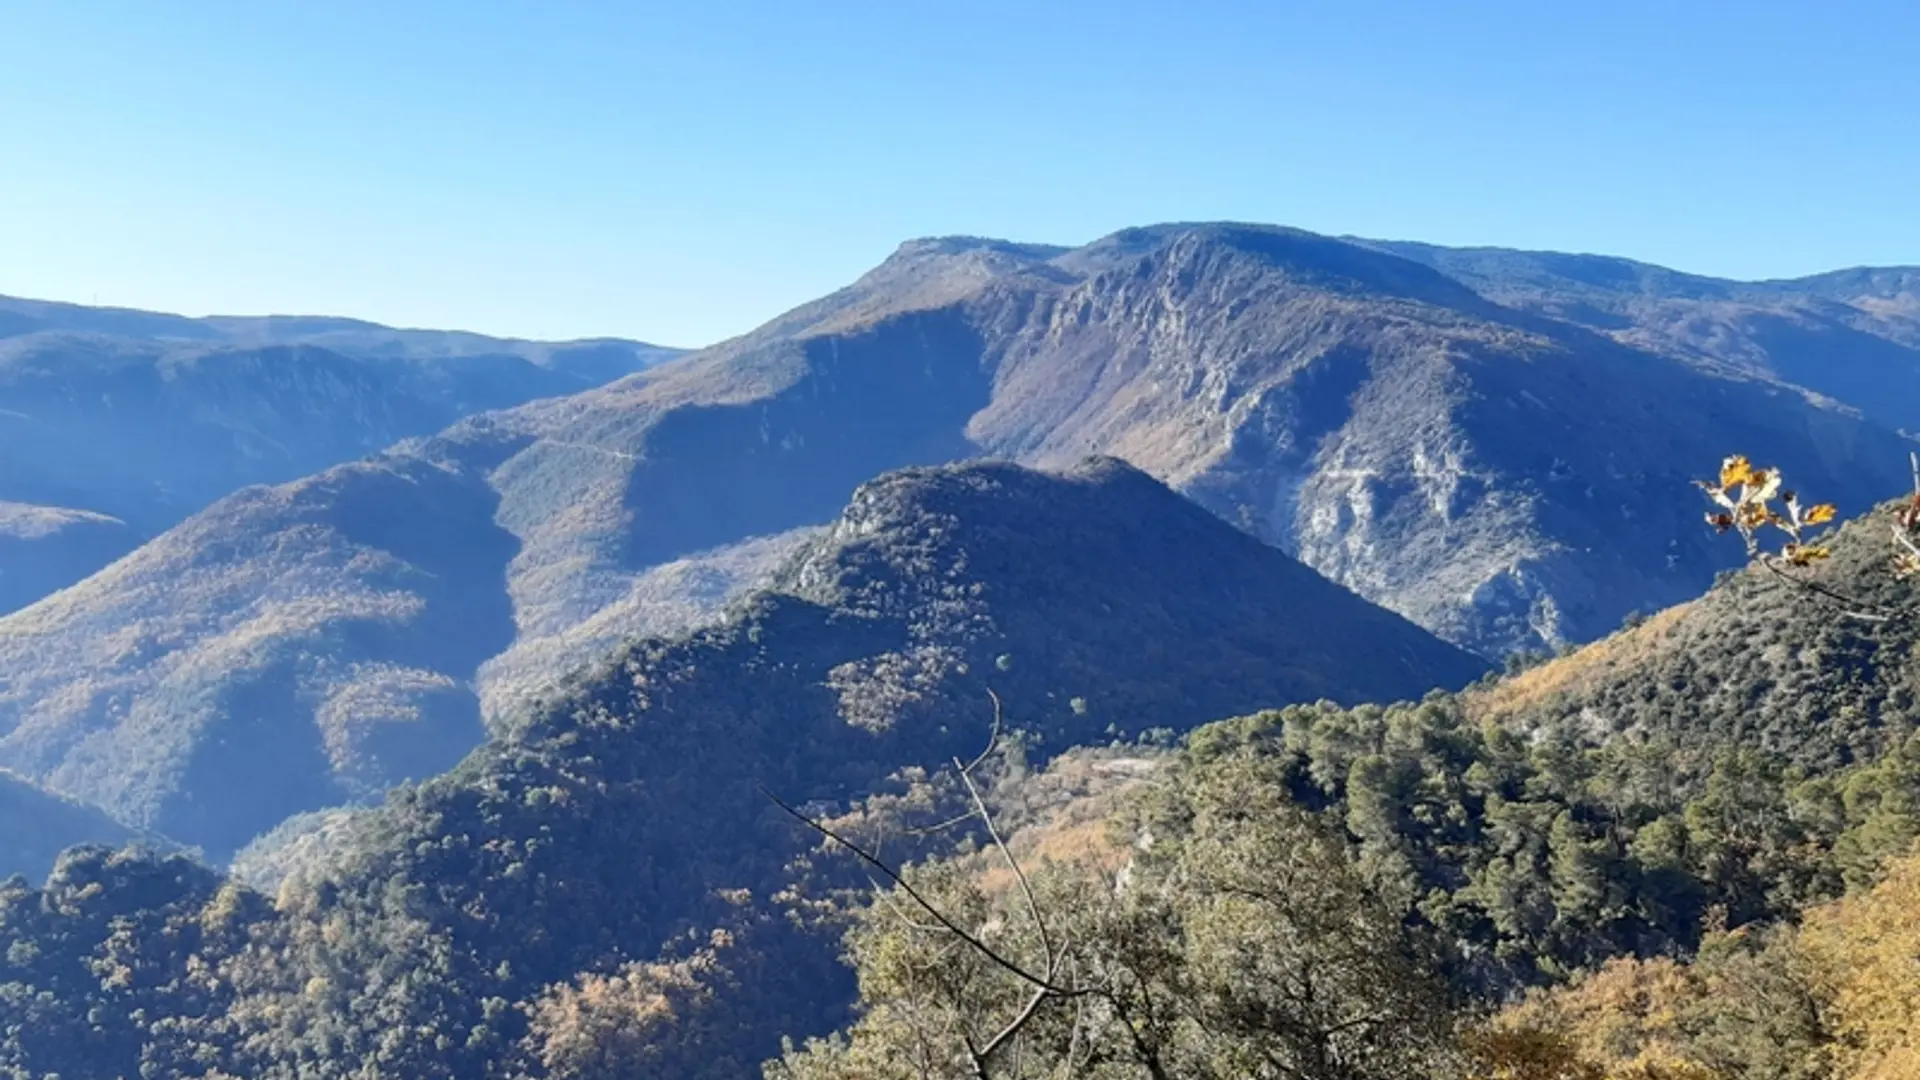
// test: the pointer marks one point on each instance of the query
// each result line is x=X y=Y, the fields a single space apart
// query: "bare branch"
x=1851 y=607
x=1045 y=986
x=1014 y=1025
x=1026 y=887
x=1900 y=537
x=928 y=830
x=939 y=916
x=974 y=1056
x=993 y=737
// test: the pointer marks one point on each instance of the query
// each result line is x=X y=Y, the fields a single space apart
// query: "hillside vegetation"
x=1658 y=878
x=206 y=688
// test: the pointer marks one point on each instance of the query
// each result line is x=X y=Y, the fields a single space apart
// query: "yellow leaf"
x=1820 y=514
x=1735 y=470
x=1805 y=554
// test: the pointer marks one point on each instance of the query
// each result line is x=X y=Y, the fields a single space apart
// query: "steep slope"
x=290 y=648
x=997 y=561
x=35 y=827
x=662 y=601
x=147 y=418
x=1479 y=469
x=624 y=821
x=1758 y=661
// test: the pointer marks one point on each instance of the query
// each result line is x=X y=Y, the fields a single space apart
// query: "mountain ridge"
x=385 y=670
x=30 y=315
x=147 y=418
x=1493 y=472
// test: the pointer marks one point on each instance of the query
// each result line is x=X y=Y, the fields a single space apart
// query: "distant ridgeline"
x=1476 y=440
x=115 y=425
x=607 y=890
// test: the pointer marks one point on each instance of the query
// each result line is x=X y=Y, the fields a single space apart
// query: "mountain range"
x=196 y=744
x=115 y=425
x=1096 y=603
x=606 y=884
x=1496 y=445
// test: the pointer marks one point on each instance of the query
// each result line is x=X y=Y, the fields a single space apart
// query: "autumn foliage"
x=1835 y=998
x=1744 y=498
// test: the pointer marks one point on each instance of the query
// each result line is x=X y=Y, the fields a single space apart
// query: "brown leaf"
x=1909 y=516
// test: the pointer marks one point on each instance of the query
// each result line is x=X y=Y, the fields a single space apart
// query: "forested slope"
x=1624 y=841
x=619 y=842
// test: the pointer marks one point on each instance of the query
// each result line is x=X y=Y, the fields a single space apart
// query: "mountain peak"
x=1099 y=558
x=994 y=481
x=938 y=246
x=1188 y=249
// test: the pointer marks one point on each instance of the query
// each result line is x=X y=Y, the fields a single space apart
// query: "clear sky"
x=681 y=172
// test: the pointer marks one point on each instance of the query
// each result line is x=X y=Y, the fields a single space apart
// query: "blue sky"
x=681 y=172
